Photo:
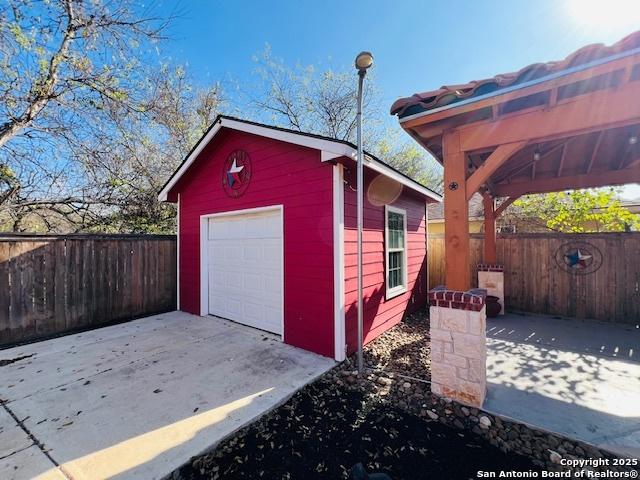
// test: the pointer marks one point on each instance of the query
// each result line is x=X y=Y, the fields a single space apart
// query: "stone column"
x=491 y=279
x=458 y=345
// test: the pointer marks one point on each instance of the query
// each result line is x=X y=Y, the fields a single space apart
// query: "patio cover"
x=549 y=127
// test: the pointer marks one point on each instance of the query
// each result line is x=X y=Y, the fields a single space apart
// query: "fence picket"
x=535 y=283
x=56 y=283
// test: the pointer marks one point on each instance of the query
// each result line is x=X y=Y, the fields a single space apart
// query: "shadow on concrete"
x=579 y=379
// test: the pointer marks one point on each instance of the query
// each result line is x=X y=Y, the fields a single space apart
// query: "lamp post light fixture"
x=364 y=60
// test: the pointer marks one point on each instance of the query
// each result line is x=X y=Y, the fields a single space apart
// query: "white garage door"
x=245 y=269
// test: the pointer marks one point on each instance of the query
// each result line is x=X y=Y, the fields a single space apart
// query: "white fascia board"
x=329 y=149
x=321 y=144
x=391 y=173
x=162 y=196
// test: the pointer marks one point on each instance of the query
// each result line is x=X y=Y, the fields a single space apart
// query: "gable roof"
x=330 y=149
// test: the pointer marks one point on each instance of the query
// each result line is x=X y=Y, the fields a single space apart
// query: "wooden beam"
x=456 y=215
x=516 y=171
x=490 y=255
x=558 y=184
x=499 y=156
x=628 y=151
x=586 y=74
x=553 y=97
x=505 y=203
x=562 y=157
x=592 y=158
x=633 y=163
x=588 y=113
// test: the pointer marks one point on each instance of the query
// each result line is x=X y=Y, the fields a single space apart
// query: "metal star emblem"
x=577 y=259
x=233 y=175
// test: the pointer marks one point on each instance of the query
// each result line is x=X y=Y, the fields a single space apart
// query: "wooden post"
x=490 y=255
x=456 y=215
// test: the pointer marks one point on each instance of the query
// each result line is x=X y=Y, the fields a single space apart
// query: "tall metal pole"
x=360 y=202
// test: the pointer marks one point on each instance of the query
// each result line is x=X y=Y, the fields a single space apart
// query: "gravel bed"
x=325 y=429
x=404 y=349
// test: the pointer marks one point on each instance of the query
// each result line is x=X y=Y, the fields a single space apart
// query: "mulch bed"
x=379 y=420
x=323 y=431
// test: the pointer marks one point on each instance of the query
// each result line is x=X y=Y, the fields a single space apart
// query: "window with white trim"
x=395 y=249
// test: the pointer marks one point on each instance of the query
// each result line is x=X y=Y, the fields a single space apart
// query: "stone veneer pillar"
x=458 y=345
x=491 y=279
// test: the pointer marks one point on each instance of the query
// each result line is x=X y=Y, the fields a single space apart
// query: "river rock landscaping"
x=386 y=419
x=325 y=429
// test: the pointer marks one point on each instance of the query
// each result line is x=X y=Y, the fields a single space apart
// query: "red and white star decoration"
x=233 y=175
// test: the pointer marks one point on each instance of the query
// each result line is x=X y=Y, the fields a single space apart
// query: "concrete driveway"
x=139 y=399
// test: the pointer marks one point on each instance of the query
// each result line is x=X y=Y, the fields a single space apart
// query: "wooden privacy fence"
x=59 y=283
x=534 y=282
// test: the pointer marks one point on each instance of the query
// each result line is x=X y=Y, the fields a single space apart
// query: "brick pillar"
x=458 y=345
x=491 y=279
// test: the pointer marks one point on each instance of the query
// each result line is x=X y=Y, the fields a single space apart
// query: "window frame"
x=399 y=289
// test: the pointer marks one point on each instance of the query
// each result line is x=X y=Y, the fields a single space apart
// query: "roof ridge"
x=313 y=135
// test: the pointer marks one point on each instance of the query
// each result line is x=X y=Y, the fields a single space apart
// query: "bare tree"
x=67 y=69
x=143 y=151
x=305 y=99
x=324 y=102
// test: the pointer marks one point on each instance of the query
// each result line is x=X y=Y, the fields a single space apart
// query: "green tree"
x=578 y=211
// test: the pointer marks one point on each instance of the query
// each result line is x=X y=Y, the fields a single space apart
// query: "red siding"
x=380 y=314
x=285 y=174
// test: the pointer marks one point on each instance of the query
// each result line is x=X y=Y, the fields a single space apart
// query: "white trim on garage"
x=330 y=149
x=178 y=255
x=204 y=260
x=338 y=263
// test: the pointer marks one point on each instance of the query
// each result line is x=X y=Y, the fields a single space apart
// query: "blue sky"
x=417 y=45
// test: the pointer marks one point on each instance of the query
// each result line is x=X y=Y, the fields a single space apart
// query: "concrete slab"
x=139 y=399
x=574 y=378
x=583 y=336
x=29 y=463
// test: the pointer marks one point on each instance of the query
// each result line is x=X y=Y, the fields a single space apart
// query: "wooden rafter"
x=588 y=113
x=562 y=157
x=557 y=184
x=533 y=169
x=633 y=163
x=593 y=155
x=490 y=165
x=627 y=152
x=505 y=204
x=526 y=165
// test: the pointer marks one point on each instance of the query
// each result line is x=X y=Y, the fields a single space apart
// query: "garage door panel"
x=253 y=282
x=272 y=283
x=245 y=269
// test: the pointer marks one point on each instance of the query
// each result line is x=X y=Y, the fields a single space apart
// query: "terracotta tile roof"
x=450 y=94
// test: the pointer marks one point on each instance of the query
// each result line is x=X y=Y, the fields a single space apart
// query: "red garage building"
x=267 y=235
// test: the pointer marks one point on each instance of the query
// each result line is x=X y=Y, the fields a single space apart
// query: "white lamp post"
x=364 y=60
